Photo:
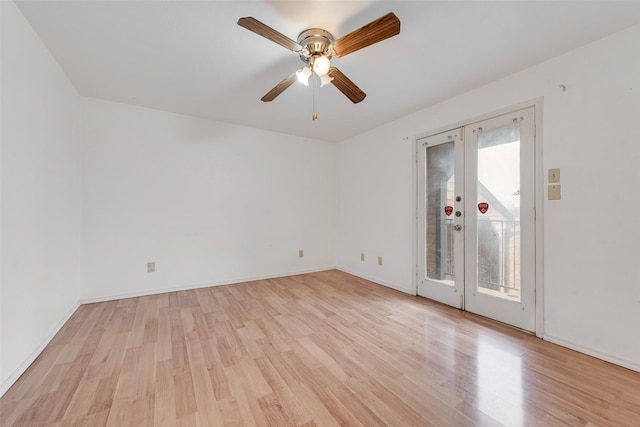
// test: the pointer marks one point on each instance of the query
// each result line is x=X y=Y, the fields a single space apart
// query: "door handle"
x=457 y=227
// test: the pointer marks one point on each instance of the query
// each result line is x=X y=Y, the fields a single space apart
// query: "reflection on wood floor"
x=321 y=349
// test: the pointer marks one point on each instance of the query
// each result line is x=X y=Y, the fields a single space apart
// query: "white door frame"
x=539 y=197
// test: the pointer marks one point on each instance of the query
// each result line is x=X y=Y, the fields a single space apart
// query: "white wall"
x=208 y=202
x=375 y=207
x=591 y=249
x=41 y=196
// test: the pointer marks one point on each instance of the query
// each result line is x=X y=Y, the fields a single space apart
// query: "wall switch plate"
x=379 y=260
x=151 y=267
x=300 y=253
x=554 y=192
x=554 y=175
x=362 y=257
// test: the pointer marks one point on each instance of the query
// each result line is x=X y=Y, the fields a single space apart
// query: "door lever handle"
x=457 y=227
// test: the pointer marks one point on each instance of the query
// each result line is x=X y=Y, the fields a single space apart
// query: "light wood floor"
x=321 y=349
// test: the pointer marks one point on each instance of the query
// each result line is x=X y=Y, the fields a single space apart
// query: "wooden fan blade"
x=346 y=86
x=279 y=88
x=267 y=32
x=374 y=32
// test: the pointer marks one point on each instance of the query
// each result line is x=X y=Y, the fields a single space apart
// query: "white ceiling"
x=190 y=57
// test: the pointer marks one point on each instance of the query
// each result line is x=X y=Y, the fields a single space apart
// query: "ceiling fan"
x=316 y=47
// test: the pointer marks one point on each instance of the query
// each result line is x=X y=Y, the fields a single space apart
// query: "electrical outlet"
x=300 y=253
x=151 y=267
x=379 y=260
x=362 y=257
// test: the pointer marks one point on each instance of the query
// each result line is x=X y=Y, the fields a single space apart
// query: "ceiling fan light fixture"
x=325 y=80
x=321 y=65
x=303 y=75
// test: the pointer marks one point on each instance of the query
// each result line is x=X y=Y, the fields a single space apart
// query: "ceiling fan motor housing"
x=315 y=41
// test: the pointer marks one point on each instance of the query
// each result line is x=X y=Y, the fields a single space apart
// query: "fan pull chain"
x=314 y=115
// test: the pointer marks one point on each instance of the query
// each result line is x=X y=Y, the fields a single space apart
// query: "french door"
x=476 y=218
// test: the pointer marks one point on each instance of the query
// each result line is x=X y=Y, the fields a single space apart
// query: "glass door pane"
x=498 y=216
x=440 y=162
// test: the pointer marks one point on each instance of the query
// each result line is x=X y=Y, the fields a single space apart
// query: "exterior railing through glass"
x=498 y=254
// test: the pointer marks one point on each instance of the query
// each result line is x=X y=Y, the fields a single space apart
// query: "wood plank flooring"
x=322 y=349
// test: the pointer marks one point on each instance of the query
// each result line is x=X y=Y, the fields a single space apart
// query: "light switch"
x=554 y=175
x=554 y=192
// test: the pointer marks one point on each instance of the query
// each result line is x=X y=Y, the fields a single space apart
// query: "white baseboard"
x=36 y=352
x=599 y=355
x=378 y=281
x=200 y=285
